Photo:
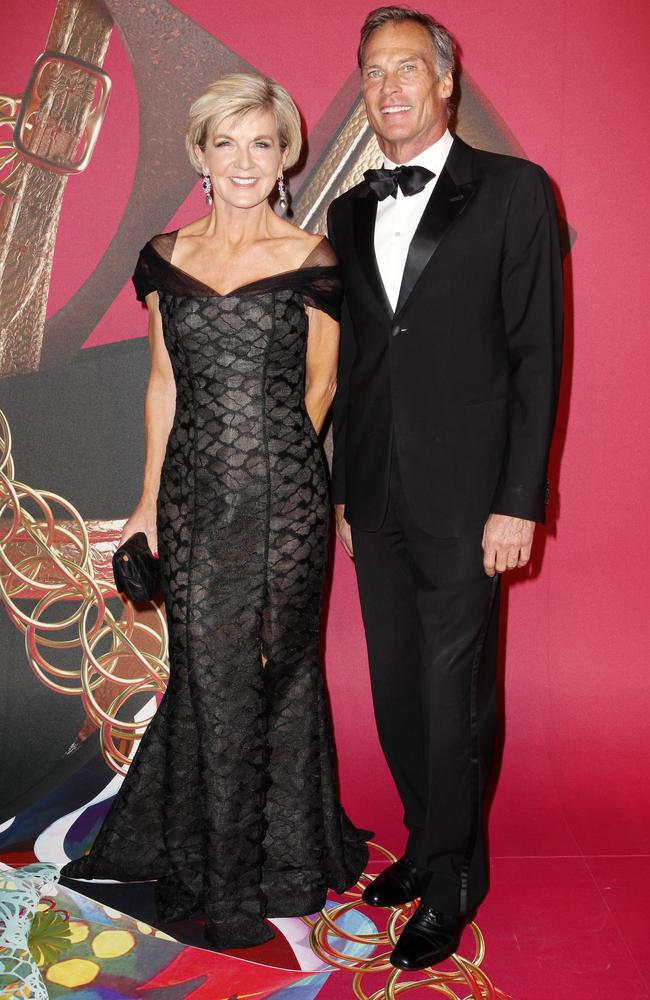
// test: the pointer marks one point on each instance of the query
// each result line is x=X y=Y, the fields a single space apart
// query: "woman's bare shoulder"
x=301 y=244
x=196 y=228
x=308 y=240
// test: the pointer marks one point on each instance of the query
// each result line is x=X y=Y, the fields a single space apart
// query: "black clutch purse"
x=136 y=570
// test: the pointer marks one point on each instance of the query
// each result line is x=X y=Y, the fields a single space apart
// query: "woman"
x=231 y=802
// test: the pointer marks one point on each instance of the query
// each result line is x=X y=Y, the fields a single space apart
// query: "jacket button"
x=398 y=329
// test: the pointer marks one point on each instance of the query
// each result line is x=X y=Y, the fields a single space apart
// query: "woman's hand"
x=143 y=518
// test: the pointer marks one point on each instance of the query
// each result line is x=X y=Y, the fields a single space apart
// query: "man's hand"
x=343 y=529
x=507 y=542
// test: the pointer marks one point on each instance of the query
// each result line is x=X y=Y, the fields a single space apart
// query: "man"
x=448 y=381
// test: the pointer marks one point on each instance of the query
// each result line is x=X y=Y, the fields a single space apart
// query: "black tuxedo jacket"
x=462 y=379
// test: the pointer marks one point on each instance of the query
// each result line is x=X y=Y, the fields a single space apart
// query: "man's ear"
x=446 y=84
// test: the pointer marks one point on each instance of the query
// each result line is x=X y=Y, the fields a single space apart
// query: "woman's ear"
x=198 y=152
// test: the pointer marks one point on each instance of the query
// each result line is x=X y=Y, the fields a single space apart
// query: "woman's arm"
x=159 y=408
x=320 y=365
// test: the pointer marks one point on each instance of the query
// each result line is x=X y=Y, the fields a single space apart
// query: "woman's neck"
x=239 y=227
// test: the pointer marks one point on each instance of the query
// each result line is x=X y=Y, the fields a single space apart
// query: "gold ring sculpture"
x=57 y=587
x=467 y=981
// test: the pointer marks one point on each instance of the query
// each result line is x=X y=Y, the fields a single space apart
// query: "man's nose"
x=390 y=83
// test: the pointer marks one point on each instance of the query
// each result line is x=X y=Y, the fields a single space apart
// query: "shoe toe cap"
x=416 y=952
x=371 y=898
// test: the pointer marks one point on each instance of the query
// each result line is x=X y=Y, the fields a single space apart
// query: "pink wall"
x=569 y=79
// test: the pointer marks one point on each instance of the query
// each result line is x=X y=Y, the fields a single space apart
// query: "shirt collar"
x=433 y=157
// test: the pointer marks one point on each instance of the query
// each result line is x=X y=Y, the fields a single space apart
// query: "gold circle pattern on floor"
x=373 y=977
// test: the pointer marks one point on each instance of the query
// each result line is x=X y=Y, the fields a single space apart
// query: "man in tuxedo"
x=447 y=392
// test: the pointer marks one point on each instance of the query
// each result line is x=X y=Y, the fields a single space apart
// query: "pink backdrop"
x=569 y=79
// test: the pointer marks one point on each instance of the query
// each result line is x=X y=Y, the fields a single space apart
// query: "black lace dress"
x=231 y=801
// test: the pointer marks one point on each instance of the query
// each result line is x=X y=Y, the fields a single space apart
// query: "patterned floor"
x=83 y=947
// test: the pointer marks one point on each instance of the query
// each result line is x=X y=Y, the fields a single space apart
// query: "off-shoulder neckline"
x=268 y=279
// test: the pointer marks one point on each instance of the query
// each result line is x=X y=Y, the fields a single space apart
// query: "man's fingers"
x=489 y=557
x=505 y=557
x=502 y=560
x=512 y=559
x=524 y=555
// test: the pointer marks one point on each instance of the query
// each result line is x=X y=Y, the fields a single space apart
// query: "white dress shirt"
x=398 y=218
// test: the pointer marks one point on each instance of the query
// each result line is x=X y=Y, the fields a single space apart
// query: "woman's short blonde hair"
x=237 y=94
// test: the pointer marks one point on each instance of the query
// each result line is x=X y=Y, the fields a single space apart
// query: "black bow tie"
x=410 y=179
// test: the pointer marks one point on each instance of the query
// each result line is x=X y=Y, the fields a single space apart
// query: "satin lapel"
x=447 y=202
x=364 y=231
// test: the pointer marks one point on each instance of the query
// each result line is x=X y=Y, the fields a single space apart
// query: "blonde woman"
x=231 y=801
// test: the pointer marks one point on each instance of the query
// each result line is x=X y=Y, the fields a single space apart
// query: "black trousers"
x=430 y=615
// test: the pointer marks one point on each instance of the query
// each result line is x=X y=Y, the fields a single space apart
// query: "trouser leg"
x=458 y=681
x=389 y=610
x=431 y=616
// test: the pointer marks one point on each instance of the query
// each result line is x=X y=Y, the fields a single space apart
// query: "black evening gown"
x=231 y=801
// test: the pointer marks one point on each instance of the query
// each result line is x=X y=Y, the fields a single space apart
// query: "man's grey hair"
x=444 y=45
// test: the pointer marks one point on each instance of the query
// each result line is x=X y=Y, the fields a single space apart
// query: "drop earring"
x=282 y=191
x=206 y=184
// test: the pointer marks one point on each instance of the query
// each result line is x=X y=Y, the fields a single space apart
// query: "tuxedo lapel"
x=364 y=231
x=447 y=202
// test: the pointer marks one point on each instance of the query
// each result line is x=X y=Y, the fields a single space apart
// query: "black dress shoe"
x=428 y=938
x=399 y=883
